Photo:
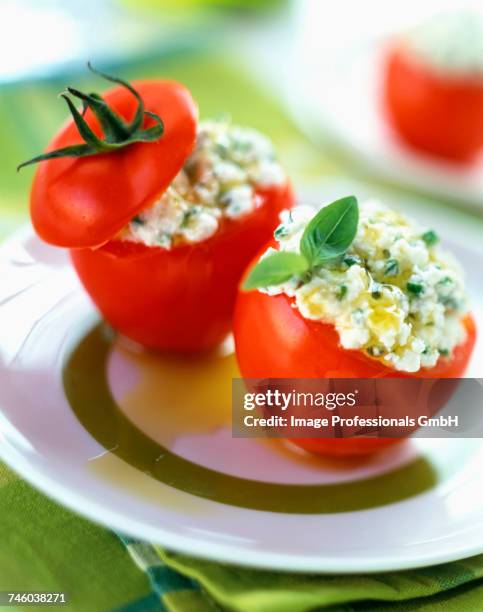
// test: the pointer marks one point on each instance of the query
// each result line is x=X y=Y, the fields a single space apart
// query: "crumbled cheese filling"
x=394 y=295
x=218 y=180
x=451 y=42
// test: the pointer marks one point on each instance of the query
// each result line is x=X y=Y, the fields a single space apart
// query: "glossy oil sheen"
x=87 y=390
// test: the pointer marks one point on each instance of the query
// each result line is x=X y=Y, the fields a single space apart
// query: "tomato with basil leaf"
x=275 y=340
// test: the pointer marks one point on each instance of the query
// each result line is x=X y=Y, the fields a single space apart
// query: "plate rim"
x=222 y=553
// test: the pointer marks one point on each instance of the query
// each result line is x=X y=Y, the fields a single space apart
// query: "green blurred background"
x=190 y=41
x=233 y=54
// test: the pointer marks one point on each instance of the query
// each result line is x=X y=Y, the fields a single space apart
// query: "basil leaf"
x=331 y=232
x=275 y=269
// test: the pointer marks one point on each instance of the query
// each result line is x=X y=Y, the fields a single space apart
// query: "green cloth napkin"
x=44 y=547
x=48 y=548
x=185 y=583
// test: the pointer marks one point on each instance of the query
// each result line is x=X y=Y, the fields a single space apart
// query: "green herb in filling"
x=415 y=288
x=351 y=260
x=391 y=268
x=280 y=232
x=430 y=238
x=342 y=292
x=188 y=216
x=449 y=302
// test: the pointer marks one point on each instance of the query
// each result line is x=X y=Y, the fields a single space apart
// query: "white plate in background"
x=332 y=85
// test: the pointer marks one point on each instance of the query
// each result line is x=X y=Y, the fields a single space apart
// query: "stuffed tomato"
x=354 y=292
x=161 y=213
x=433 y=86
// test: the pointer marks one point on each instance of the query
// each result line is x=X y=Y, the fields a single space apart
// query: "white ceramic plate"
x=334 y=93
x=142 y=444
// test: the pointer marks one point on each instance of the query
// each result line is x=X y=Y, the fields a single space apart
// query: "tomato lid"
x=85 y=201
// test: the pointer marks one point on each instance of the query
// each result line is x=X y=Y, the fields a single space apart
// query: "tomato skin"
x=438 y=114
x=273 y=340
x=84 y=202
x=180 y=299
x=351 y=447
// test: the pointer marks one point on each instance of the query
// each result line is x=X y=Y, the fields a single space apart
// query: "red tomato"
x=84 y=202
x=435 y=113
x=180 y=299
x=273 y=340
